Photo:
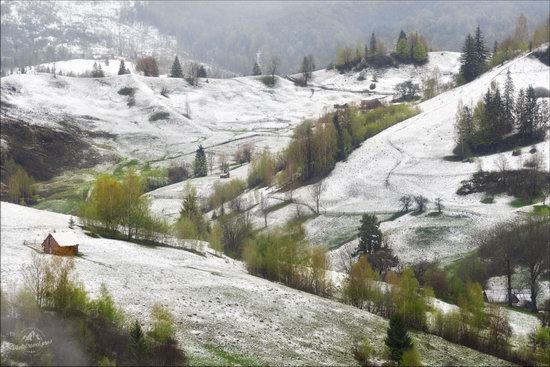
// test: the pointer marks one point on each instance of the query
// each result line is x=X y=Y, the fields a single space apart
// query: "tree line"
x=487 y=126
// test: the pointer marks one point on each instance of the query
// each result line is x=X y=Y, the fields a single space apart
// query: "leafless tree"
x=264 y=208
x=308 y=65
x=315 y=191
x=406 y=202
x=421 y=202
x=273 y=67
x=192 y=76
x=222 y=160
x=211 y=160
x=34 y=277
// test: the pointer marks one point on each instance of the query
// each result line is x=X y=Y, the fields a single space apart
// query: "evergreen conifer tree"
x=200 y=167
x=468 y=60
x=402 y=49
x=373 y=44
x=402 y=35
x=256 y=70
x=481 y=52
x=136 y=344
x=508 y=104
x=397 y=340
x=419 y=52
x=122 y=68
x=370 y=235
x=201 y=73
x=176 y=70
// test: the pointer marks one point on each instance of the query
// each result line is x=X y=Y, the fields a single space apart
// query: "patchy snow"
x=83 y=66
x=214 y=300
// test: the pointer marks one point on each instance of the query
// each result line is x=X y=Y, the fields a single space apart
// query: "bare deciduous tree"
x=421 y=202
x=34 y=277
x=224 y=166
x=406 y=202
x=315 y=191
x=439 y=204
x=272 y=68
x=264 y=208
x=211 y=159
x=308 y=65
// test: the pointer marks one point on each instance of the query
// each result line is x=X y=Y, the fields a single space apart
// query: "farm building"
x=61 y=243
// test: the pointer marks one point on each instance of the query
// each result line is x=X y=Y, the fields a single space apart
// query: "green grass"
x=434 y=214
x=230 y=359
x=488 y=200
x=276 y=207
x=541 y=210
x=520 y=202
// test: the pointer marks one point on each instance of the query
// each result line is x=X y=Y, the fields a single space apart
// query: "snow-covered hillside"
x=84 y=28
x=409 y=159
x=214 y=301
x=221 y=114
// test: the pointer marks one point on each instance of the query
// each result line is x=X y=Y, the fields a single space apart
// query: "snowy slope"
x=219 y=113
x=408 y=158
x=214 y=301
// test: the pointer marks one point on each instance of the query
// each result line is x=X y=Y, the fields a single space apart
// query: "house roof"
x=65 y=239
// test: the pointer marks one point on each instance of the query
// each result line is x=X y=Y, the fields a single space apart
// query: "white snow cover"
x=214 y=300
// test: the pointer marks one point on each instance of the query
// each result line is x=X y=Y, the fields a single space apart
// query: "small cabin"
x=61 y=243
x=224 y=175
x=370 y=104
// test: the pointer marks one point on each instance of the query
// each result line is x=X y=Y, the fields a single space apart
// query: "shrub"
x=411 y=358
x=372 y=86
x=177 y=173
x=104 y=308
x=224 y=192
x=363 y=352
x=127 y=91
x=262 y=170
x=163 y=324
x=159 y=116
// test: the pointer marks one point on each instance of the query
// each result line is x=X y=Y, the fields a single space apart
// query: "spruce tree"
x=370 y=235
x=122 y=68
x=508 y=104
x=176 y=70
x=402 y=35
x=200 y=167
x=136 y=344
x=402 y=49
x=419 y=52
x=373 y=45
x=397 y=340
x=256 y=70
x=468 y=60
x=201 y=73
x=481 y=52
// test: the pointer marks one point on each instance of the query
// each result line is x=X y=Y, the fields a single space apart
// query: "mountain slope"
x=214 y=301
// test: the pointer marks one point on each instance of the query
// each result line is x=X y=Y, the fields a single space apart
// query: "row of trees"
x=411 y=49
x=486 y=126
x=316 y=146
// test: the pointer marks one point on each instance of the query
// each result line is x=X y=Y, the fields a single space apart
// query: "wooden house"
x=370 y=104
x=224 y=175
x=61 y=243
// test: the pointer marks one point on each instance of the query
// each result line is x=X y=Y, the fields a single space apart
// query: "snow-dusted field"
x=214 y=301
x=221 y=113
x=408 y=159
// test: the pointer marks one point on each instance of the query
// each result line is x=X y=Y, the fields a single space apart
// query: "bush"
x=224 y=192
x=163 y=328
x=372 y=86
x=104 y=308
x=268 y=81
x=127 y=91
x=262 y=170
x=363 y=353
x=411 y=358
x=177 y=174
x=159 y=116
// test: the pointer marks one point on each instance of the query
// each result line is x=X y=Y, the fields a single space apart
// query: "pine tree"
x=402 y=35
x=529 y=125
x=200 y=167
x=136 y=343
x=370 y=236
x=397 y=340
x=508 y=104
x=481 y=52
x=201 y=73
x=176 y=70
x=256 y=70
x=122 y=68
x=468 y=59
x=100 y=73
x=373 y=45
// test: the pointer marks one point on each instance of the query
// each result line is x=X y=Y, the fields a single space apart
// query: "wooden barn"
x=370 y=104
x=61 y=243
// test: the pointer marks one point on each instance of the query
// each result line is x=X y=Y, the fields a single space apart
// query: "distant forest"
x=230 y=34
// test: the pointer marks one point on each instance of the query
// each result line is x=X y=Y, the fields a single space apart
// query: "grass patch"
x=434 y=214
x=268 y=81
x=520 y=202
x=159 y=116
x=395 y=216
x=425 y=236
x=232 y=359
x=541 y=210
x=122 y=167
